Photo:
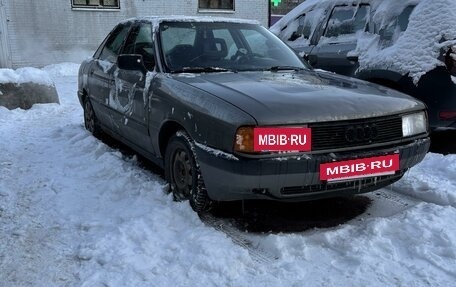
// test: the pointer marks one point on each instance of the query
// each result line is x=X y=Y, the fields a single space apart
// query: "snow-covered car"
x=247 y=123
x=405 y=45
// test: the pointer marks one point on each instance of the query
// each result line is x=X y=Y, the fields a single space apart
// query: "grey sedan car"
x=231 y=113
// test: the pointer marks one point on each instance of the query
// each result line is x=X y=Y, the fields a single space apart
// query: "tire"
x=183 y=173
x=90 y=120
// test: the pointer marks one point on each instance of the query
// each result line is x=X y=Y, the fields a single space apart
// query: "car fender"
x=208 y=119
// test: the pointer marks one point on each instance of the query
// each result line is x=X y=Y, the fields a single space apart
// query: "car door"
x=131 y=95
x=334 y=51
x=101 y=75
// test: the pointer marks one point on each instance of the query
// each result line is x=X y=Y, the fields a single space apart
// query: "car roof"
x=156 y=20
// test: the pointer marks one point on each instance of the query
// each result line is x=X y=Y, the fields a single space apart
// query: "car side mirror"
x=131 y=62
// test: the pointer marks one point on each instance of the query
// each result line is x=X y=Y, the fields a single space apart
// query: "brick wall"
x=50 y=31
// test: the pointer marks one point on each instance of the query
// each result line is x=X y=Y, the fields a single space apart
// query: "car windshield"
x=221 y=46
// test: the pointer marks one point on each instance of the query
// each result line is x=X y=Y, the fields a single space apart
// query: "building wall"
x=285 y=6
x=50 y=31
x=5 y=59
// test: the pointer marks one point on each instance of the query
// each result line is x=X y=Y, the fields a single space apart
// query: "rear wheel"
x=183 y=173
x=90 y=120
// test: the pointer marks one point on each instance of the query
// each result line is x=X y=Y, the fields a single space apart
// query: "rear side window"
x=394 y=27
x=114 y=43
x=303 y=26
x=346 y=20
x=303 y=29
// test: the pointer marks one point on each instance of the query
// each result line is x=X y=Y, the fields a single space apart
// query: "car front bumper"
x=294 y=177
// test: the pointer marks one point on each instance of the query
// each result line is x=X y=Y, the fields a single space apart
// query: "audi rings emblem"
x=361 y=133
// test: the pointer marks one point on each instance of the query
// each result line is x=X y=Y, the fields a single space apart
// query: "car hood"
x=274 y=98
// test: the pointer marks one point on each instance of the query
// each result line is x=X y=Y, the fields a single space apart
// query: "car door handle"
x=352 y=58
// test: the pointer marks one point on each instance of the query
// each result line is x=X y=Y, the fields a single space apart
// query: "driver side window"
x=140 y=42
x=114 y=43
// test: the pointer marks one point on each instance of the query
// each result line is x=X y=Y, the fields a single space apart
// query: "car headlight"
x=414 y=124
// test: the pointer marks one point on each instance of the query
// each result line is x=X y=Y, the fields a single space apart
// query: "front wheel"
x=183 y=173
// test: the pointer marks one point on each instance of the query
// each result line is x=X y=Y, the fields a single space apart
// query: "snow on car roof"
x=156 y=20
x=416 y=51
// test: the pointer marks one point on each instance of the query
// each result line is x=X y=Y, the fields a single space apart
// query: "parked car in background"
x=230 y=119
x=409 y=46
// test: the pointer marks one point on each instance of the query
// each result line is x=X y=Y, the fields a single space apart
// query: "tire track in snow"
x=385 y=202
x=256 y=252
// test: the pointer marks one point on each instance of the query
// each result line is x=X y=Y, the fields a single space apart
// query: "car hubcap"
x=182 y=173
x=88 y=117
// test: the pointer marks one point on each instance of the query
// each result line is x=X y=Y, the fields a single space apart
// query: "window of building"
x=97 y=4
x=216 y=4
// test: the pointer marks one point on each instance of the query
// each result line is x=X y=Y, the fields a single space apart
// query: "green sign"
x=276 y=2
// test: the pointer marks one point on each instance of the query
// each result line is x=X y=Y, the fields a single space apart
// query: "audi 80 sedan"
x=232 y=113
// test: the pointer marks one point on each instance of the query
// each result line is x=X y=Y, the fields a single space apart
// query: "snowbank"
x=62 y=69
x=24 y=87
x=25 y=75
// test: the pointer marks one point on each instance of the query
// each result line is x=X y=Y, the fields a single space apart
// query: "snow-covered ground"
x=76 y=212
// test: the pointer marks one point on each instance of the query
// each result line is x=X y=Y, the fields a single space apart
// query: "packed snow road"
x=77 y=212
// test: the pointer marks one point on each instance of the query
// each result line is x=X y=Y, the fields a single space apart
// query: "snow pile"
x=62 y=69
x=434 y=180
x=76 y=212
x=24 y=87
x=25 y=75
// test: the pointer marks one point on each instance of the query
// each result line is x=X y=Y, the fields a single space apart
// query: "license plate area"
x=359 y=168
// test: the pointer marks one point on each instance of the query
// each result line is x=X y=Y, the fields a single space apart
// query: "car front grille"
x=361 y=185
x=326 y=136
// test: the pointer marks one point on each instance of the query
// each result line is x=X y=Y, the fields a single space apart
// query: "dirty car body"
x=190 y=94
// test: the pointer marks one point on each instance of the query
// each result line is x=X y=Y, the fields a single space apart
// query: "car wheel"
x=183 y=173
x=90 y=120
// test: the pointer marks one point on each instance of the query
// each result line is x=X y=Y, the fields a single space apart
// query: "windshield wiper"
x=201 y=70
x=283 y=68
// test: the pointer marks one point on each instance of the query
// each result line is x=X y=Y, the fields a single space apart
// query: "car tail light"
x=244 y=140
x=447 y=116
x=450 y=60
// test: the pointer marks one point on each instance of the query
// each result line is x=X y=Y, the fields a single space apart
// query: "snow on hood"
x=416 y=51
x=25 y=75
